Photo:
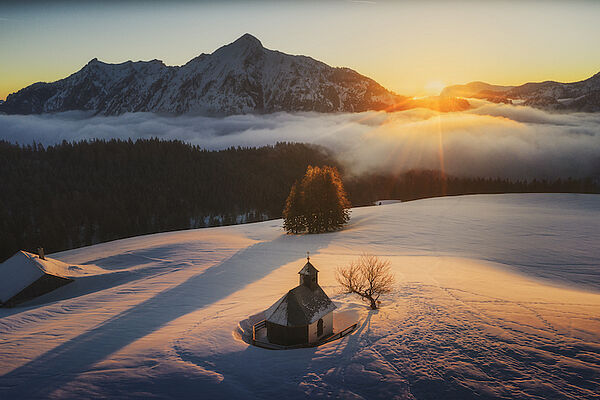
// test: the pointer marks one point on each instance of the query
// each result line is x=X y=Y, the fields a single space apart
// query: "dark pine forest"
x=75 y=194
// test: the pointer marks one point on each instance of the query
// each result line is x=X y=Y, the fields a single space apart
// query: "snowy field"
x=497 y=296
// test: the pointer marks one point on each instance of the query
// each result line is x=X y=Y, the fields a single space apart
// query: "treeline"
x=420 y=184
x=75 y=194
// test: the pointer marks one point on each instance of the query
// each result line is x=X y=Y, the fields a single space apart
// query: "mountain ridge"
x=583 y=95
x=238 y=78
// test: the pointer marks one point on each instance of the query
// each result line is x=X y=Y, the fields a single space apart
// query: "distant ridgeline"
x=421 y=184
x=76 y=194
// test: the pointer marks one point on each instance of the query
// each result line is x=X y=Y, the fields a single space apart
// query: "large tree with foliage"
x=294 y=221
x=318 y=203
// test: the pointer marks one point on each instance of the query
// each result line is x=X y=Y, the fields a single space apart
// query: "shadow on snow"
x=58 y=366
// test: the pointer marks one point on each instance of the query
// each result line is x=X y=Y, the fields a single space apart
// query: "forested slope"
x=76 y=194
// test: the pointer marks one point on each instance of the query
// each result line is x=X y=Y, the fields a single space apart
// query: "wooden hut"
x=26 y=275
x=303 y=315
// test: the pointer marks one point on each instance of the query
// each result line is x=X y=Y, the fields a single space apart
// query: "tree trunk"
x=373 y=303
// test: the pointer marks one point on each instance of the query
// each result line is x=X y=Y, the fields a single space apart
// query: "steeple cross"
x=308 y=256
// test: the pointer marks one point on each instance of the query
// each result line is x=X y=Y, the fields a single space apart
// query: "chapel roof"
x=300 y=306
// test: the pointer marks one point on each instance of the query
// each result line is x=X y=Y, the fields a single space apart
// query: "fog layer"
x=490 y=140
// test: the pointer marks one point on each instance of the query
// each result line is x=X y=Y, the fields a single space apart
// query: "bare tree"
x=369 y=277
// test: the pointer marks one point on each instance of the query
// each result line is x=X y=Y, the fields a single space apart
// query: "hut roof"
x=300 y=306
x=22 y=270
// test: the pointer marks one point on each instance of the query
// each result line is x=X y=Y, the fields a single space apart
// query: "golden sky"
x=412 y=48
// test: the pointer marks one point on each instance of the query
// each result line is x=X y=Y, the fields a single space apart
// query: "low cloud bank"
x=490 y=140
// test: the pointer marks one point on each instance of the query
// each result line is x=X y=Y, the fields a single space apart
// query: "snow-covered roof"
x=21 y=270
x=383 y=202
x=308 y=269
x=300 y=306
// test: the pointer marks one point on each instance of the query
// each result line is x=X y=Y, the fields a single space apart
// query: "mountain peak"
x=246 y=37
x=247 y=40
x=244 y=46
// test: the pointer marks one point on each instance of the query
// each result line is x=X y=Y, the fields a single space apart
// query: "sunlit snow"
x=496 y=297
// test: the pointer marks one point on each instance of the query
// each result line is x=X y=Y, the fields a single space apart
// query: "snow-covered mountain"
x=496 y=297
x=575 y=96
x=241 y=77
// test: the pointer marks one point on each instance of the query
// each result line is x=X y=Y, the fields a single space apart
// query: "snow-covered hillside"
x=241 y=77
x=497 y=296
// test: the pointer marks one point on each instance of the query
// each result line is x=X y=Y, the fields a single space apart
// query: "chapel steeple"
x=308 y=274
